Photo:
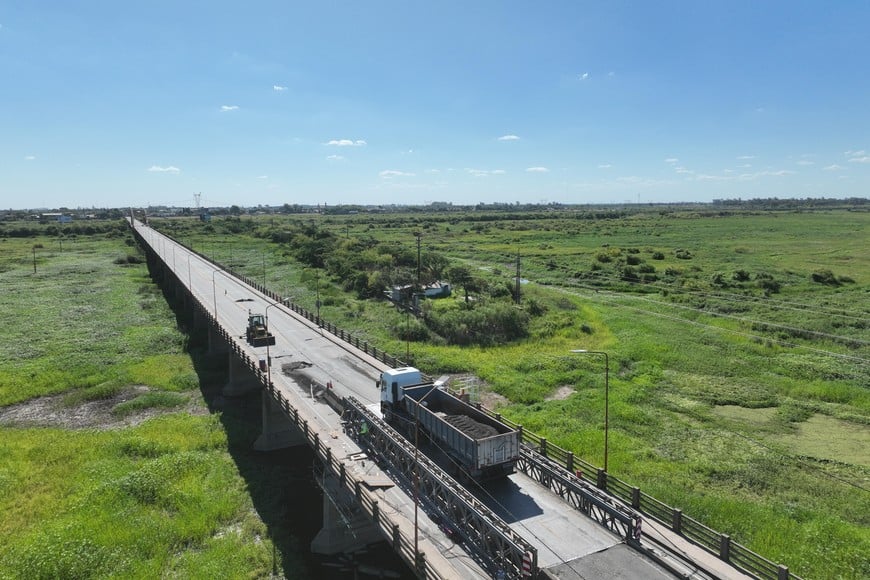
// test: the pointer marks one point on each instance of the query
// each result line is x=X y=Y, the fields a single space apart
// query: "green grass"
x=150 y=502
x=81 y=321
x=162 y=499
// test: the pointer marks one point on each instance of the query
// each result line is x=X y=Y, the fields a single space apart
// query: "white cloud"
x=161 y=169
x=745 y=157
x=278 y=88
x=858 y=156
x=834 y=167
x=605 y=166
x=29 y=157
x=432 y=171
x=347 y=143
x=865 y=159
x=584 y=76
x=485 y=172
x=537 y=170
x=508 y=138
x=262 y=177
x=806 y=162
x=227 y=108
x=611 y=74
x=855 y=153
x=335 y=157
x=683 y=170
x=390 y=173
x=672 y=160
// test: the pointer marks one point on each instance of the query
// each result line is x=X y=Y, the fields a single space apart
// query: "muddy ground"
x=52 y=412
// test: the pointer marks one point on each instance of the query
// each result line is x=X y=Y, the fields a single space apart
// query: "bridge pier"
x=240 y=380
x=278 y=431
x=345 y=528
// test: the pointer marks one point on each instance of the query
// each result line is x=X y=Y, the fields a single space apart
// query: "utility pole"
x=34 y=259
x=418 y=236
x=518 y=278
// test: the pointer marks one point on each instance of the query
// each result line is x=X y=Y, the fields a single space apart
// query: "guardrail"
x=502 y=550
x=716 y=543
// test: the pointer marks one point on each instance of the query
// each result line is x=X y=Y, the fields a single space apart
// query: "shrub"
x=769 y=285
x=825 y=277
x=633 y=260
x=487 y=325
x=658 y=256
x=741 y=275
x=412 y=330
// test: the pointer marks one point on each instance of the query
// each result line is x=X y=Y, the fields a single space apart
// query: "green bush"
x=485 y=325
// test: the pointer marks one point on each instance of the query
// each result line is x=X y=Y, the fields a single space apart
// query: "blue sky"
x=114 y=103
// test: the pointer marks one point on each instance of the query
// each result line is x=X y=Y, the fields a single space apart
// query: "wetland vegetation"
x=738 y=347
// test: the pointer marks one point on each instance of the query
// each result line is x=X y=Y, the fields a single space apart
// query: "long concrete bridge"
x=318 y=387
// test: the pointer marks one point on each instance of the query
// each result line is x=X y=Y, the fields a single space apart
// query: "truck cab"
x=393 y=380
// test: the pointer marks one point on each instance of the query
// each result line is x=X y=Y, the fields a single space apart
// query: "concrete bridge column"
x=347 y=530
x=278 y=431
x=241 y=380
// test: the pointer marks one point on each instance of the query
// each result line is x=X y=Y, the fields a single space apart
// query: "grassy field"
x=738 y=348
x=120 y=471
x=738 y=378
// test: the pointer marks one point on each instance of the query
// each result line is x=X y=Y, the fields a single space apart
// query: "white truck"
x=484 y=447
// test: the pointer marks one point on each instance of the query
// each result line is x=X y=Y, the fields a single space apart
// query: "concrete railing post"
x=725 y=547
x=601 y=480
x=677 y=521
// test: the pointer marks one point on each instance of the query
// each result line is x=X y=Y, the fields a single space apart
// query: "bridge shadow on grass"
x=281 y=483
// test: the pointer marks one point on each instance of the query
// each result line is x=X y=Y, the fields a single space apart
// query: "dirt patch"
x=561 y=393
x=51 y=412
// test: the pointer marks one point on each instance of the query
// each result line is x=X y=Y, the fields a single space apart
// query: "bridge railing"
x=502 y=551
x=714 y=542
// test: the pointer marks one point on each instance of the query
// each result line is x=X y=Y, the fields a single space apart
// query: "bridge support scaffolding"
x=278 y=432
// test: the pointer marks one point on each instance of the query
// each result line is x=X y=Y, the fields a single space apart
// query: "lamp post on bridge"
x=606 y=393
x=213 y=290
x=268 y=355
x=417 y=473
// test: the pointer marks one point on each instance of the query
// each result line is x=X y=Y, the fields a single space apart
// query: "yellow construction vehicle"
x=257 y=332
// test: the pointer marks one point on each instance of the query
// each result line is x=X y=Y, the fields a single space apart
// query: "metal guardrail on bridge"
x=721 y=545
x=501 y=549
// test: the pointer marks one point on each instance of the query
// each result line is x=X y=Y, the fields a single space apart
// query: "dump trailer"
x=257 y=332
x=483 y=447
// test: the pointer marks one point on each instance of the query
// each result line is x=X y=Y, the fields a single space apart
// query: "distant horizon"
x=407 y=103
x=438 y=205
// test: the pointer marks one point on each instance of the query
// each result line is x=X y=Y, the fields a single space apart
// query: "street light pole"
x=417 y=473
x=268 y=355
x=606 y=394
